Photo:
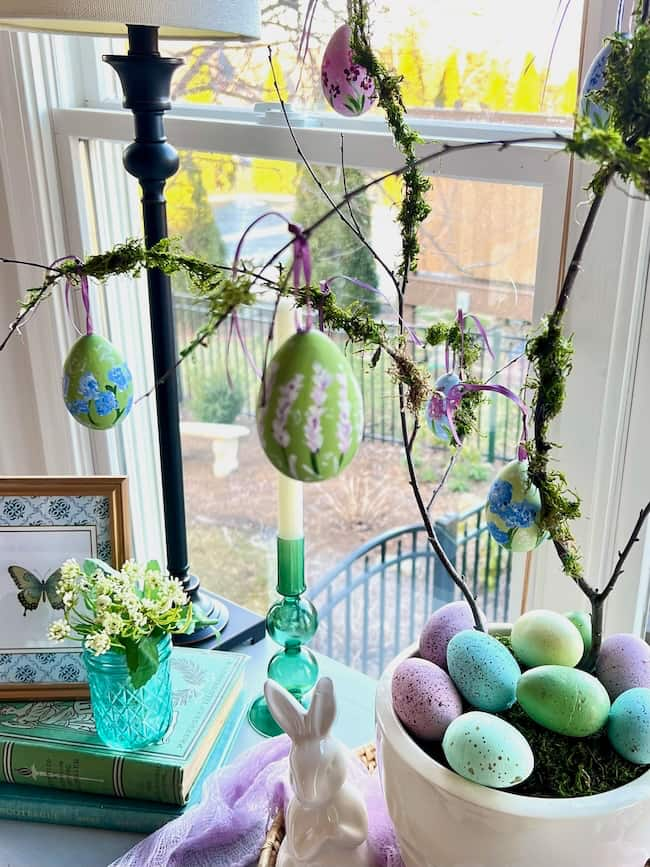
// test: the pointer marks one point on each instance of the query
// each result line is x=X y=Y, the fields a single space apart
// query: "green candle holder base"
x=290 y=622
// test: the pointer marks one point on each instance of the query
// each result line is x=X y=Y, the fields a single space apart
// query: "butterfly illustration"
x=33 y=591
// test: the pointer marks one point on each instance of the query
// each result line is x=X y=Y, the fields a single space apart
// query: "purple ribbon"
x=85 y=293
x=461 y=318
x=301 y=269
x=325 y=288
x=303 y=47
x=442 y=404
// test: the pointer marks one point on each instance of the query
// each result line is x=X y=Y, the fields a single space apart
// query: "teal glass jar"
x=127 y=718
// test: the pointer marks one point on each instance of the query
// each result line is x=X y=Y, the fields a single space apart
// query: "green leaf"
x=91 y=565
x=141 y=659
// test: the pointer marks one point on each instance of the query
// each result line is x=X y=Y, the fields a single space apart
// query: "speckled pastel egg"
x=310 y=410
x=97 y=383
x=565 y=700
x=513 y=509
x=487 y=750
x=485 y=671
x=582 y=622
x=348 y=87
x=441 y=627
x=425 y=698
x=546 y=638
x=628 y=727
x=623 y=663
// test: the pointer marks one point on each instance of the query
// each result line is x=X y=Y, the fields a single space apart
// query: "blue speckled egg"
x=424 y=698
x=485 y=671
x=487 y=750
x=628 y=727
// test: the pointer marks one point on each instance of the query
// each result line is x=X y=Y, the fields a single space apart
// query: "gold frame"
x=115 y=489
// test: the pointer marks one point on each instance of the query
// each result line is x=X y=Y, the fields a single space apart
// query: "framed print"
x=43 y=522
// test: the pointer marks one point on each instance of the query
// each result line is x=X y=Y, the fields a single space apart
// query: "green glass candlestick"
x=291 y=622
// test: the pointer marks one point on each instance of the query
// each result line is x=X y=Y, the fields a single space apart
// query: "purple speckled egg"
x=425 y=698
x=441 y=627
x=623 y=663
x=347 y=86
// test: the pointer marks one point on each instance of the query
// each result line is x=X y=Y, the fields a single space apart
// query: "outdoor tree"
x=449 y=94
x=495 y=94
x=528 y=89
x=412 y=65
x=335 y=248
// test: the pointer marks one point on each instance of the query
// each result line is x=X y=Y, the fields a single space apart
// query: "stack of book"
x=53 y=767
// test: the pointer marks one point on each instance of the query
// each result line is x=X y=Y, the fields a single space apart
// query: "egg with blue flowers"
x=513 y=509
x=97 y=383
x=484 y=671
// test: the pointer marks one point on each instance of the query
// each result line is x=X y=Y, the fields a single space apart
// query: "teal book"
x=33 y=804
x=53 y=744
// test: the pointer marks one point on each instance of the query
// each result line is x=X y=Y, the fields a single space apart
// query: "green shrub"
x=214 y=400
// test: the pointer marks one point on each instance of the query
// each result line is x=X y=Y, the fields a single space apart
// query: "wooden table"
x=29 y=844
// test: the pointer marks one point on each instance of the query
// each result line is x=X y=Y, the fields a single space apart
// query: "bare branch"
x=623 y=555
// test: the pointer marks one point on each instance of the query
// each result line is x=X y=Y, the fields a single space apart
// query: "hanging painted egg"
x=594 y=80
x=97 y=384
x=436 y=409
x=310 y=409
x=348 y=87
x=513 y=508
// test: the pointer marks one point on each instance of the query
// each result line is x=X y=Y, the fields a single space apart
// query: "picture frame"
x=44 y=521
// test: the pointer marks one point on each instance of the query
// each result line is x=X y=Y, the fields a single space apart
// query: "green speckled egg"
x=97 y=384
x=310 y=410
x=513 y=508
x=564 y=700
x=485 y=671
x=582 y=622
x=546 y=638
x=487 y=750
x=628 y=727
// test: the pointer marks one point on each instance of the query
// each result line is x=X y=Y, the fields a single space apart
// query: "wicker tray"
x=275 y=835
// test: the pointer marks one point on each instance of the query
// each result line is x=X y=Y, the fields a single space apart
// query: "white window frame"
x=44 y=188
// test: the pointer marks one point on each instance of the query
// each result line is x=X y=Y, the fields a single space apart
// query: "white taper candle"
x=290 y=510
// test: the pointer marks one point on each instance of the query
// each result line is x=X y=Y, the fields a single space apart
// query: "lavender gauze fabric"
x=228 y=827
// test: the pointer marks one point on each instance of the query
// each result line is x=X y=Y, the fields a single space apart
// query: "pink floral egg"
x=348 y=87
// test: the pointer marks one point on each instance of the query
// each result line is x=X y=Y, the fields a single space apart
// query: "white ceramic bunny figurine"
x=326 y=820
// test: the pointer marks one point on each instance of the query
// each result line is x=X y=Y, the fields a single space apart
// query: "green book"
x=53 y=744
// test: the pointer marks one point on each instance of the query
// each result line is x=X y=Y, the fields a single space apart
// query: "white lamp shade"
x=177 y=19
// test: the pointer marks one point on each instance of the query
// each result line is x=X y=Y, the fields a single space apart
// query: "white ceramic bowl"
x=443 y=820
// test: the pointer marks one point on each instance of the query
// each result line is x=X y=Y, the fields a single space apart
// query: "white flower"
x=59 y=630
x=102 y=602
x=99 y=643
x=112 y=623
x=70 y=570
x=344 y=425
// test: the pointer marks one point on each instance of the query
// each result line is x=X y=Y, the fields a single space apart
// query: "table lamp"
x=146 y=83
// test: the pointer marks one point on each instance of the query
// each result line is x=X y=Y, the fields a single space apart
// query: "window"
x=492 y=246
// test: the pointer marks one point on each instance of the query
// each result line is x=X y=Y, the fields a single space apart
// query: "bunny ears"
x=291 y=716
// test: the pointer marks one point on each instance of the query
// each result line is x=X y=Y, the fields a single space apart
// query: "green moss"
x=570 y=767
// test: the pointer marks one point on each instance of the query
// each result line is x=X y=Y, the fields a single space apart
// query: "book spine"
x=93 y=814
x=53 y=767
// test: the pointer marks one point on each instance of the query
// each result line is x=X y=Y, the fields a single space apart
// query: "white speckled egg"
x=425 y=698
x=628 y=727
x=487 y=750
x=485 y=671
x=546 y=638
x=441 y=627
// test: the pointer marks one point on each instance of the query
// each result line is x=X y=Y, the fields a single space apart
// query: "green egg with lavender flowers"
x=310 y=409
x=97 y=383
x=513 y=509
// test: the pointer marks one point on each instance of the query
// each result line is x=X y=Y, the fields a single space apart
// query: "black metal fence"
x=498 y=419
x=375 y=602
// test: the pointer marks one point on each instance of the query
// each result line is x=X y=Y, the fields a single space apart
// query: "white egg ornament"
x=594 y=80
x=97 y=383
x=347 y=86
x=513 y=509
x=310 y=409
x=487 y=750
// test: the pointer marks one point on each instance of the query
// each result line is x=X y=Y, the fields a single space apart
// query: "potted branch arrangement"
x=500 y=745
